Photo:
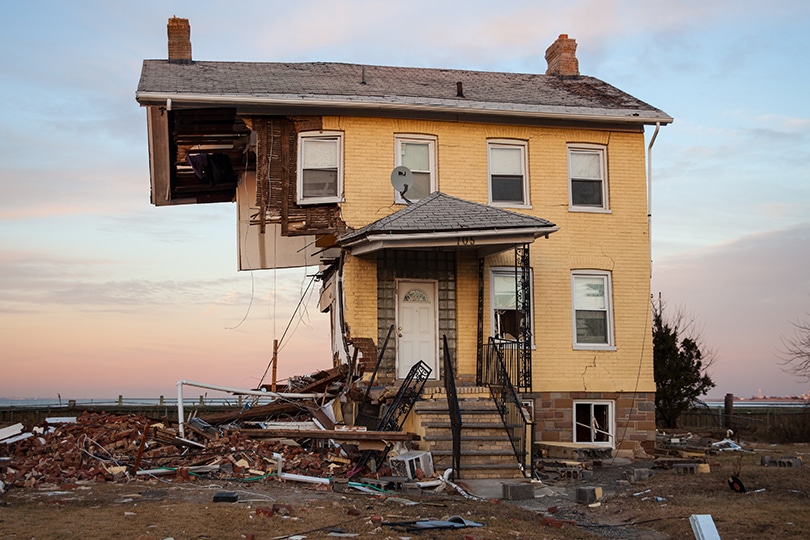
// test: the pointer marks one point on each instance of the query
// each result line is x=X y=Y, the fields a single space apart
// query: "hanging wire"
x=289 y=323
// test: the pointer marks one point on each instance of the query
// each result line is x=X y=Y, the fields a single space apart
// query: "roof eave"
x=487 y=240
x=632 y=116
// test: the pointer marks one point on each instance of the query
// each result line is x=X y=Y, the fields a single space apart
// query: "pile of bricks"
x=102 y=447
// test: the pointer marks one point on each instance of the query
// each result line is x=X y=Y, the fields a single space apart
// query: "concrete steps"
x=486 y=451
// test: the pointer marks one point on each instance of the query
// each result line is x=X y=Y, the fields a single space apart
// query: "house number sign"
x=466 y=241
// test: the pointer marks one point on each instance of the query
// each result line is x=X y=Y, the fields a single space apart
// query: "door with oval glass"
x=417 y=317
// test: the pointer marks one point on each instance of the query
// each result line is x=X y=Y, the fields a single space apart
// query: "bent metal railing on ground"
x=453 y=409
x=397 y=412
x=519 y=428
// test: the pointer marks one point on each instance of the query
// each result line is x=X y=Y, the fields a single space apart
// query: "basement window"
x=320 y=167
x=594 y=423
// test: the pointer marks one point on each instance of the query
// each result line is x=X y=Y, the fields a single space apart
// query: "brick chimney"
x=562 y=57
x=179 y=32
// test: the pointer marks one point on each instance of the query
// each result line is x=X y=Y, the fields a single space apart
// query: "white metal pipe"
x=230 y=390
x=244 y=392
x=649 y=189
x=302 y=478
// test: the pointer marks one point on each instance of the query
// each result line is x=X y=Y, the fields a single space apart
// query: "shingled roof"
x=330 y=85
x=441 y=220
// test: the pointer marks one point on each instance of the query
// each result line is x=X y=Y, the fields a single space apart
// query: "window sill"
x=322 y=200
x=580 y=347
x=510 y=205
x=599 y=444
x=589 y=210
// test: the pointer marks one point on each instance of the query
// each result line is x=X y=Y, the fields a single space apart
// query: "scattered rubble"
x=103 y=447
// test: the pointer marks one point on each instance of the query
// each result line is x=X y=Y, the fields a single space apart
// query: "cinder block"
x=637 y=475
x=517 y=491
x=588 y=494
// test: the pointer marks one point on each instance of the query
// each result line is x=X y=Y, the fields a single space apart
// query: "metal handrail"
x=518 y=427
x=453 y=409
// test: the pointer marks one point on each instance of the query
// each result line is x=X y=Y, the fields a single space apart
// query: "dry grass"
x=776 y=503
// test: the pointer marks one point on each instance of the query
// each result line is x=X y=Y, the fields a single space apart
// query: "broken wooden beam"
x=337 y=434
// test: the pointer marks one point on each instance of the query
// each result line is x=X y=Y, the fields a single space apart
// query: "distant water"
x=131 y=402
x=55 y=402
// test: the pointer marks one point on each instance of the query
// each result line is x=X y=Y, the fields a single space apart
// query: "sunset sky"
x=103 y=294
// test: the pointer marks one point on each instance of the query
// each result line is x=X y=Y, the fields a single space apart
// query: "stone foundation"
x=634 y=417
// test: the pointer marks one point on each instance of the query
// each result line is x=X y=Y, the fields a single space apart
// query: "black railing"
x=519 y=428
x=453 y=409
x=511 y=353
x=397 y=412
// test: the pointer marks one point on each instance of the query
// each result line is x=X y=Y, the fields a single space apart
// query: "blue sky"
x=102 y=294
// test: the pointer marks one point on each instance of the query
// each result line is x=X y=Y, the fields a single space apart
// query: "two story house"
x=481 y=228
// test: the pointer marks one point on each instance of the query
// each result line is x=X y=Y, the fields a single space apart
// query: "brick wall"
x=634 y=415
x=179 y=32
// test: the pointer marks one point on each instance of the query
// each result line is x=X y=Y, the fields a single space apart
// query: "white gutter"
x=649 y=189
x=234 y=391
x=447 y=106
x=461 y=239
x=489 y=233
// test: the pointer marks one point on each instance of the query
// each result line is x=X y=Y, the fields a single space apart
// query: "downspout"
x=649 y=189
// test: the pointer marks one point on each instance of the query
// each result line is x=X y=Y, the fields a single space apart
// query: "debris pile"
x=102 y=447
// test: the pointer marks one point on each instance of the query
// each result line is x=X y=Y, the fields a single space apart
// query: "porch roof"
x=446 y=222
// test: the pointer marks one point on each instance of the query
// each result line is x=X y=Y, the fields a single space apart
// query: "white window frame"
x=430 y=140
x=508 y=271
x=524 y=155
x=305 y=136
x=611 y=423
x=608 y=309
x=601 y=150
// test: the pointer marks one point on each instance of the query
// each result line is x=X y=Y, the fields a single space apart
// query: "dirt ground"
x=776 y=504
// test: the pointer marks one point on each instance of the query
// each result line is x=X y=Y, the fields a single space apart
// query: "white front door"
x=416 y=326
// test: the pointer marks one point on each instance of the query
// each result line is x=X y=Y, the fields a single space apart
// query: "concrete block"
x=517 y=491
x=685 y=468
x=637 y=475
x=588 y=494
x=789 y=462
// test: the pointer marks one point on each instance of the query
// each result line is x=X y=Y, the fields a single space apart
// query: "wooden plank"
x=157 y=124
x=337 y=434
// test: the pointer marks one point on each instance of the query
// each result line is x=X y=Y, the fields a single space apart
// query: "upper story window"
x=320 y=167
x=593 y=312
x=588 y=178
x=418 y=153
x=508 y=181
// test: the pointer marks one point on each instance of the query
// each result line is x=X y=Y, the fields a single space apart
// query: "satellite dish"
x=401 y=179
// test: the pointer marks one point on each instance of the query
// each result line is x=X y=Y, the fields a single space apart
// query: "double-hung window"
x=593 y=316
x=320 y=167
x=587 y=178
x=508 y=180
x=506 y=316
x=417 y=153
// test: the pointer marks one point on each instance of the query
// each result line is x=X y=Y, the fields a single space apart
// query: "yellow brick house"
x=490 y=224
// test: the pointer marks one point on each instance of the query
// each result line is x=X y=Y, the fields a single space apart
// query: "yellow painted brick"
x=617 y=241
